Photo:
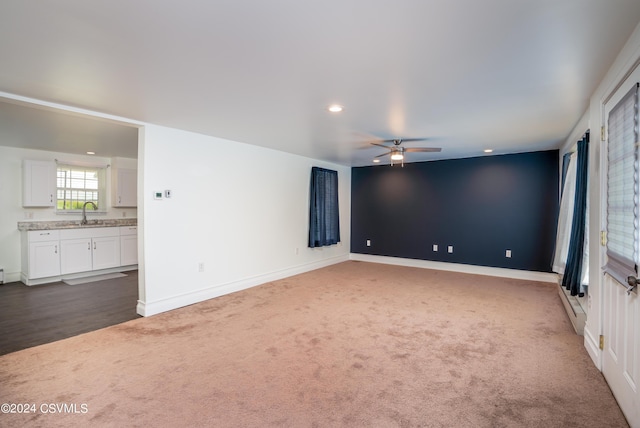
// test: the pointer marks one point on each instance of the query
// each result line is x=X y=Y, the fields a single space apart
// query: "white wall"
x=241 y=210
x=11 y=210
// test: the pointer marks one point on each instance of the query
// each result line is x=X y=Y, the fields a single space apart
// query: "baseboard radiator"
x=576 y=314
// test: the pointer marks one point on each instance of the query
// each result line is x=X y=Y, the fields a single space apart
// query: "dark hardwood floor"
x=39 y=314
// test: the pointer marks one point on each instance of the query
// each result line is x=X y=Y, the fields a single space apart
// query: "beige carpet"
x=354 y=344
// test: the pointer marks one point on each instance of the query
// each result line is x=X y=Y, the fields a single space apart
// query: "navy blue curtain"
x=573 y=270
x=324 y=221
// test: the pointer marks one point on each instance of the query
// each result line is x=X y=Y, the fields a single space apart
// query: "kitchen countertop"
x=52 y=225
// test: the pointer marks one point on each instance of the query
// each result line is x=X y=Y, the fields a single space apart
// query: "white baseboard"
x=152 y=308
x=592 y=344
x=458 y=267
x=11 y=277
x=576 y=314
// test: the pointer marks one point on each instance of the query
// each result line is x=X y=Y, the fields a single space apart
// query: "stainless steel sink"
x=90 y=223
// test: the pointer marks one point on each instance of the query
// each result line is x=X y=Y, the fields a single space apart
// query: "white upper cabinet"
x=38 y=184
x=125 y=187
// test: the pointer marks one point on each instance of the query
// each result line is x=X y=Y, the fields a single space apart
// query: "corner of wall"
x=591 y=343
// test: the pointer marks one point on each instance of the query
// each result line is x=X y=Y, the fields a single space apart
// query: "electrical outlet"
x=368 y=242
x=507 y=254
x=450 y=249
x=435 y=247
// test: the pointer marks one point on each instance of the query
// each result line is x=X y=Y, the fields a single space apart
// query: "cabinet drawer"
x=89 y=232
x=43 y=235
x=128 y=230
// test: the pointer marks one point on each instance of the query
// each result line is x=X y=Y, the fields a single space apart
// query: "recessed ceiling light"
x=335 y=108
x=91 y=153
x=376 y=161
x=488 y=150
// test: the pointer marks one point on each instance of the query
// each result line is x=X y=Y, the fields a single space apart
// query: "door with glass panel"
x=621 y=311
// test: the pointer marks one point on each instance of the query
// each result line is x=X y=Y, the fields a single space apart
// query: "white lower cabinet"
x=106 y=252
x=76 y=255
x=40 y=254
x=84 y=250
x=128 y=245
x=49 y=255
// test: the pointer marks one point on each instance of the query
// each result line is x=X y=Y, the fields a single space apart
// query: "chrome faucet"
x=84 y=211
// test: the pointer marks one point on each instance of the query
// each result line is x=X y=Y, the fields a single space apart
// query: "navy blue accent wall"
x=481 y=206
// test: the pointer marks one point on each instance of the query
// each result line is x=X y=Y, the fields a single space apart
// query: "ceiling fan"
x=397 y=151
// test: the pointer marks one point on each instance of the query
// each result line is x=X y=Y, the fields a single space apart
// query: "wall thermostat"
x=157 y=195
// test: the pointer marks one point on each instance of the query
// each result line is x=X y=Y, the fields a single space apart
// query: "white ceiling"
x=22 y=125
x=512 y=75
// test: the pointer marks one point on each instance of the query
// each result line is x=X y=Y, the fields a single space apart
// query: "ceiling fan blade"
x=422 y=149
x=381 y=145
x=384 y=154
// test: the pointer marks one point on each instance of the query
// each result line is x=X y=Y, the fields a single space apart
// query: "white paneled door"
x=621 y=311
x=620 y=364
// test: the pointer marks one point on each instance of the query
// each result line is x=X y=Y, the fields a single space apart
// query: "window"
x=76 y=185
x=622 y=187
x=324 y=219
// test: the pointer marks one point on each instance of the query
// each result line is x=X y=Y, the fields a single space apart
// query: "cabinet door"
x=44 y=259
x=128 y=250
x=75 y=255
x=106 y=252
x=39 y=184
x=126 y=188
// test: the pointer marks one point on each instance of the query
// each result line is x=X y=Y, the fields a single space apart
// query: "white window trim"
x=102 y=187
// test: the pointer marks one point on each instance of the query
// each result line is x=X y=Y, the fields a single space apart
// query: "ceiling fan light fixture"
x=397 y=156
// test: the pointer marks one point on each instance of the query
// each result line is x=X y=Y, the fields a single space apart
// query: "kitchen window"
x=76 y=185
